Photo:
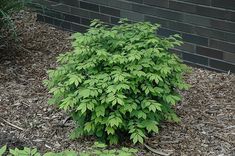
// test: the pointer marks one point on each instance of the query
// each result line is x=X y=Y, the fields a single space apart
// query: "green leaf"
x=88 y=127
x=114 y=121
x=69 y=153
x=74 y=79
x=82 y=107
x=138 y=73
x=172 y=99
x=3 y=150
x=100 y=111
x=113 y=139
x=141 y=114
x=155 y=106
x=137 y=137
x=110 y=130
x=99 y=145
x=150 y=125
x=84 y=93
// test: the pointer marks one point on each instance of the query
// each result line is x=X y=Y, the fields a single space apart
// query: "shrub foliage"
x=98 y=149
x=119 y=80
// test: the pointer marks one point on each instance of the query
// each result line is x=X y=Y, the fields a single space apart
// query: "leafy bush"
x=118 y=80
x=7 y=7
x=97 y=150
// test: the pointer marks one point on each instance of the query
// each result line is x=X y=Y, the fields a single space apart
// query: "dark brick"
x=209 y=52
x=136 y=1
x=184 y=7
x=74 y=3
x=89 y=6
x=43 y=5
x=163 y=22
x=207 y=32
x=207 y=26
x=72 y=18
x=78 y=28
x=225 y=46
x=44 y=2
x=195 y=58
x=66 y=25
x=203 y=2
x=62 y=24
x=101 y=17
x=48 y=20
x=58 y=22
x=120 y=4
x=161 y=3
x=166 y=32
x=223 y=25
x=85 y=21
x=232 y=16
x=53 y=13
x=55 y=0
x=110 y=11
x=222 y=65
x=135 y=16
x=188 y=28
x=230 y=37
x=102 y=2
x=195 y=39
x=214 y=33
x=228 y=4
x=60 y=7
x=229 y=57
x=213 y=12
x=80 y=12
x=197 y=20
x=163 y=13
x=187 y=47
x=40 y=18
x=115 y=20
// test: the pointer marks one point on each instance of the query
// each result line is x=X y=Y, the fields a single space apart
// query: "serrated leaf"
x=136 y=137
x=110 y=130
x=84 y=93
x=82 y=107
x=90 y=106
x=88 y=127
x=100 y=111
x=74 y=79
x=150 y=125
x=114 y=121
x=141 y=114
x=3 y=150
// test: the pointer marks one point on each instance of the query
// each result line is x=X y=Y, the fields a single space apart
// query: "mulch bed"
x=207 y=110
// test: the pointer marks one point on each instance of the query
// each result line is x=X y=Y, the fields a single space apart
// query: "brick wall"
x=207 y=26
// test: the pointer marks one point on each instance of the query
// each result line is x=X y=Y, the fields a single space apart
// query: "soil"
x=207 y=111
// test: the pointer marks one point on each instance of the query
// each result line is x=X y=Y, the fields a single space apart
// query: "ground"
x=207 y=111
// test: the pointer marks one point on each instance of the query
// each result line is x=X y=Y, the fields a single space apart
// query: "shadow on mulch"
x=11 y=141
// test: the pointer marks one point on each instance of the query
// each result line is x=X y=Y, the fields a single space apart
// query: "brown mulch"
x=207 y=111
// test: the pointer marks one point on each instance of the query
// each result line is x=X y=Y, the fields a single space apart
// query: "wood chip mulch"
x=207 y=111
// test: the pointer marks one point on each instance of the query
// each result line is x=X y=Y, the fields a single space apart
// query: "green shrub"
x=118 y=80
